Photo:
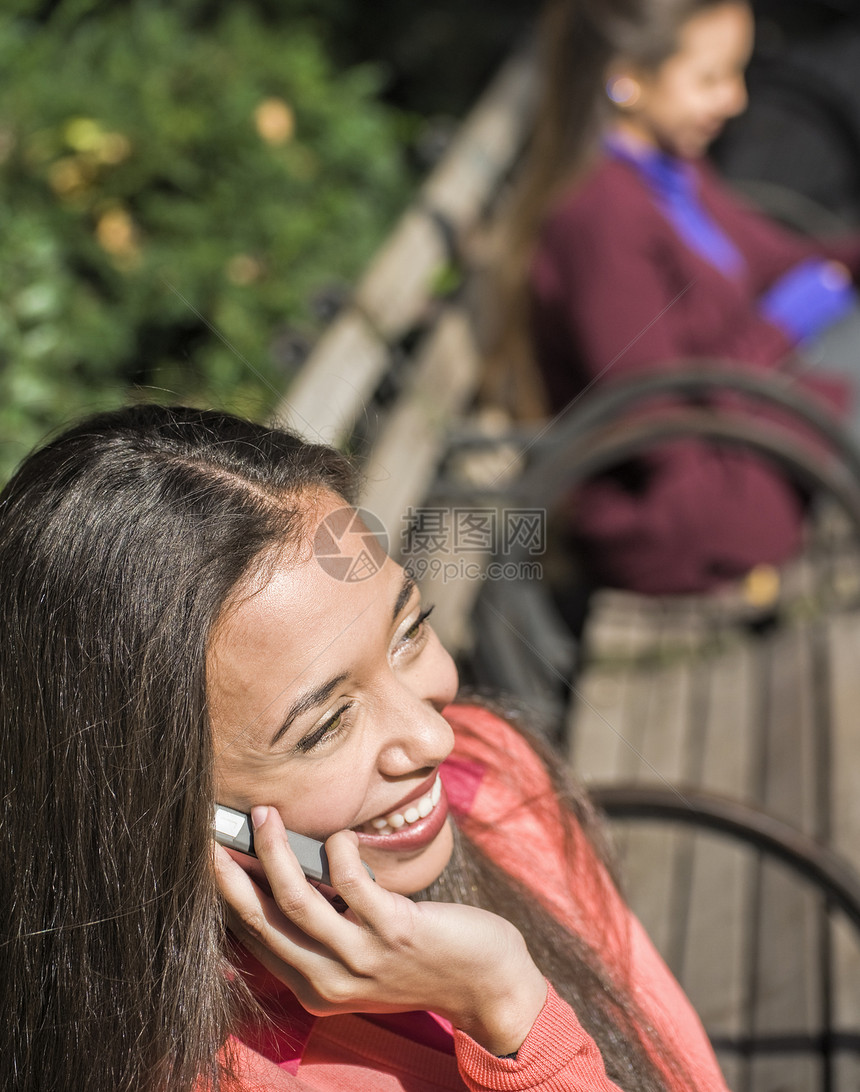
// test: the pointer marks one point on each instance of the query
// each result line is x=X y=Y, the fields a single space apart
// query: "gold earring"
x=624 y=91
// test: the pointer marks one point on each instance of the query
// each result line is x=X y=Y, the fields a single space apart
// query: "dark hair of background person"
x=577 y=42
x=120 y=543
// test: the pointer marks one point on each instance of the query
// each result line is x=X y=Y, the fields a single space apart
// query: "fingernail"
x=258 y=815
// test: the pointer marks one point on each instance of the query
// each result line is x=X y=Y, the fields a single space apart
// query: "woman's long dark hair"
x=577 y=42
x=120 y=544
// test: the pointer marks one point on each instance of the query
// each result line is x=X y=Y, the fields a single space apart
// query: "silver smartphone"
x=234 y=830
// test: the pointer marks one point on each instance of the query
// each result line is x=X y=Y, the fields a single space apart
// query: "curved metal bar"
x=599 y=450
x=814 y=861
x=596 y=451
x=778 y=389
x=540 y=448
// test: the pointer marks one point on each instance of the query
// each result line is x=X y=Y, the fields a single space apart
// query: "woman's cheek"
x=325 y=807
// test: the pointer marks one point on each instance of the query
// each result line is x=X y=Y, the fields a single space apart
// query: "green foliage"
x=173 y=196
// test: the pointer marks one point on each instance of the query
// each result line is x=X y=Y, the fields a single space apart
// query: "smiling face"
x=682 y=106
x=325 y=701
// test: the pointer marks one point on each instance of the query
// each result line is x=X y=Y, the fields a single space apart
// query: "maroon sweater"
x=616 y=290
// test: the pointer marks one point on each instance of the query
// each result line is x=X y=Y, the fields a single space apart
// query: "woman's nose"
x=417 y=737
x=434 y=677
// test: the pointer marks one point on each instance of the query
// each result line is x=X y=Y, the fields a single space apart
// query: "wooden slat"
x=598 y=725
x=843 y=657
x=789 y=776
x=648 y=850
x=668 y=749
x=654 y=754
x=729 y=733
x=787 y=978
x=716 y=943
x=787 y=986
x=404 y=458
x=394 y=293
x=487 y=145
x=846 y=968
x=843 y=651
x=716 y=948
x=346 y=367
x=847 y=1070
x=395 y=290
x=604 y=715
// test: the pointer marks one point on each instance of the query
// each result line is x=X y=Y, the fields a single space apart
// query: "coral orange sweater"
x=507 y=805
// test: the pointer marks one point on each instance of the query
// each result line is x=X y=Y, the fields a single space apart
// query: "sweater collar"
x=670 y=176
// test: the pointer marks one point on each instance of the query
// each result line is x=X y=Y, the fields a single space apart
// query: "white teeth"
x=420 y=809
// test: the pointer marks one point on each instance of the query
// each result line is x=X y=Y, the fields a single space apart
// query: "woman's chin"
x=406 y=873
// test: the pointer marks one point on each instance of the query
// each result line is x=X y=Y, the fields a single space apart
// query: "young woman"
x=627 y=253
x=171 y=640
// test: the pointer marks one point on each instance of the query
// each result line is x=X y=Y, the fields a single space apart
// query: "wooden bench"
x=687 y=696
x=527 y=655
x=768 y=720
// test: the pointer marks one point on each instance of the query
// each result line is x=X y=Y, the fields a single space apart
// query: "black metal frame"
x=810 y=860
x=521 y=643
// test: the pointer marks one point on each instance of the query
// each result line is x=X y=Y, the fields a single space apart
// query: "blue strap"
x=675 y=186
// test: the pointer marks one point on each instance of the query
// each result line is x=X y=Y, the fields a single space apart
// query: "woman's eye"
x=416 y=630
x=413 y=640
x=326 y=731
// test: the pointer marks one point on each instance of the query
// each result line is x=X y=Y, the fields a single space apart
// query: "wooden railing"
x=397 y=312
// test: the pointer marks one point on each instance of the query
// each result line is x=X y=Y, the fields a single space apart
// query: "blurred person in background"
x=626 y=253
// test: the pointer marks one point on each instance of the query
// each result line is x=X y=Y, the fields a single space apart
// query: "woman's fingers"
x=266 y=934
x=292 y=909
x=254 y=914
x=386 y=953
x=366 y=900
x=296 y=898
x=321 y=972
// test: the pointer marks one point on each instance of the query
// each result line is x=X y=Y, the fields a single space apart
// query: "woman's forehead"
x=298 y=608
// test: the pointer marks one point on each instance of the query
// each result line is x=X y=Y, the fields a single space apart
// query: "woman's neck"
x=632 y=137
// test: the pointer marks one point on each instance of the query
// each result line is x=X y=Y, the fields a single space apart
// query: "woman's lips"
x=412 y=825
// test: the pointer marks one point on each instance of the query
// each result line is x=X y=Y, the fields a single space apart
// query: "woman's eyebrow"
x=406 y=589
x=308 y=701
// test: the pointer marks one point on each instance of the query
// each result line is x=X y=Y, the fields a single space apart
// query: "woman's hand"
x=385 y=953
